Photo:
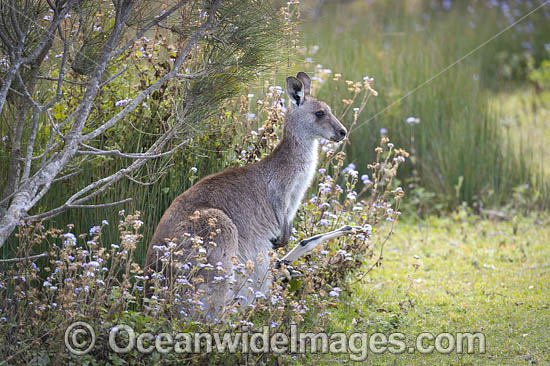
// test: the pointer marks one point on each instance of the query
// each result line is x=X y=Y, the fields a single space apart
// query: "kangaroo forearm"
x=307 y=245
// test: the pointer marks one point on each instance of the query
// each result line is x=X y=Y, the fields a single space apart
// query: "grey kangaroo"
x=253 y=207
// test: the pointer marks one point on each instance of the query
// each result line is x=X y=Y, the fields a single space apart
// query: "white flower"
x=412 y=120
x=70 y=239
x=122 y=102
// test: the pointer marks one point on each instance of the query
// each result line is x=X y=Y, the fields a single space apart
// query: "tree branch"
x=65 y=207
x=96 y=151
x=29 y=258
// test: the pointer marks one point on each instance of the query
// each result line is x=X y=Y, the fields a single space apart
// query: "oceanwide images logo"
x=80 y=339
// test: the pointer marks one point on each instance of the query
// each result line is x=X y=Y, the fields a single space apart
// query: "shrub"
x=89 y=278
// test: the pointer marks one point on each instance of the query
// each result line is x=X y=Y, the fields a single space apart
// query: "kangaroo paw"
x=278 y=243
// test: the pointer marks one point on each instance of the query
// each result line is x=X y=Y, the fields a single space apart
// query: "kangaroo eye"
x=320 y=114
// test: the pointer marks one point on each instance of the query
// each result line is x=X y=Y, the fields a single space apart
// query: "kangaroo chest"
x=302 y=180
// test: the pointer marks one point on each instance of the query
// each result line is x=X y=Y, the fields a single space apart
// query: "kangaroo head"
x=309 y=117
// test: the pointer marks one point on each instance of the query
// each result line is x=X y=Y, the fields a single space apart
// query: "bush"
x=89 y=278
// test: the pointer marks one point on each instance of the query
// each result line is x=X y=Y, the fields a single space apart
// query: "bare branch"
x=29 y=258
x=14 y=21
x=41 y=77
x=95 y=151
x=65 y=207
x=62 y=71
x=114 y=77
x=30 y=145
x=15 y=63
x=67 y=176
x=159 y=175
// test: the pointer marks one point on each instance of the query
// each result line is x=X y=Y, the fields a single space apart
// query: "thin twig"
x=32 y=257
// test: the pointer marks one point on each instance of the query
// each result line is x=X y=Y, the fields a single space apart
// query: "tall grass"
x=458 y=145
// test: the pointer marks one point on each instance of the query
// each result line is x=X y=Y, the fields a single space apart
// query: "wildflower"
x=70 y=239
x=335 y=292
x=349 y=168
x=95 y=229
x=94 y=264
x=250 y=96
x=47 y=284
x=104 y=222
x=322 y=171
x=412 y=120
x=365 y=179
x=383 y=131
x=122 y=102
x=324 y=222
x=193 y=169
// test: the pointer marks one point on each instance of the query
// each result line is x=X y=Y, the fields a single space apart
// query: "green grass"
x=458 y=274
x=527 y=112
x=403 y=46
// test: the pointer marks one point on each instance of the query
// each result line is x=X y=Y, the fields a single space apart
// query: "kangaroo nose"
x=343 y=133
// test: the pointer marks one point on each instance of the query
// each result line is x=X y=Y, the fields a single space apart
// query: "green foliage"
x=404 y=47
x=247 y=41
x=541 y=75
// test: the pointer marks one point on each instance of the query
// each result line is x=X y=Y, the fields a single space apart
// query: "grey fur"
x=253 y=206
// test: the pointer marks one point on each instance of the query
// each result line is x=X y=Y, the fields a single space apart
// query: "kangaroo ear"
x=295 y=90
x=304 y=78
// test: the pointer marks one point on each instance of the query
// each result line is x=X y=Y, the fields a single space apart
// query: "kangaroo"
x=253 y=207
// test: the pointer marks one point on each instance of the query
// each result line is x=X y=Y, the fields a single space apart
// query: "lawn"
x=459 y=274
